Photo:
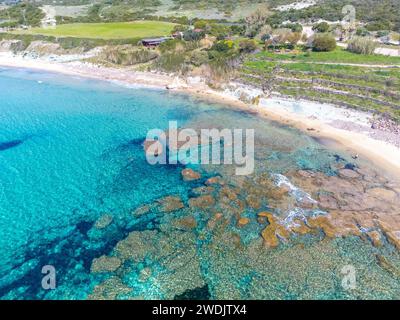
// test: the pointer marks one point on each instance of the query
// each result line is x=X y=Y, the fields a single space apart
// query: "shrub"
x=382 y=33
x=361 y=45
x=323 y=42
x=198 y=58
x=293 y=38
x=295 y=27
x=265 y=37
x=128 y=55
x=171 y=45
x=378 y=25
x=172 y=62
x=238 y=29
x=263 y=31
x=200 y=24
x=362 y=32
x=221 y=46
x=247 y=45
x=191 y=35
x=321 y=27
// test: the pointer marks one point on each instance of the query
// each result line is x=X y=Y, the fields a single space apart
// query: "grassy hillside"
x=119 y=30
x=339 y=55
x=325 y=77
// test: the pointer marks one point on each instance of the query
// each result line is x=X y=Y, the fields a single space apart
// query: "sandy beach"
x=344 y=129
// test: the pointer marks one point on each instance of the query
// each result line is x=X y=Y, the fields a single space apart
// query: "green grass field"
x=339 y=55
x=119 y=30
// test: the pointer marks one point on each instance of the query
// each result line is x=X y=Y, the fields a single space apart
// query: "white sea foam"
x=300 y=195
x=296 y=213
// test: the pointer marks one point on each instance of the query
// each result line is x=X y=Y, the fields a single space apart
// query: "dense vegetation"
x=22 y=14
x=378 y=14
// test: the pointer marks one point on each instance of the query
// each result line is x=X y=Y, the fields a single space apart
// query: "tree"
x=255 y=21
x=323 y=42
x=321 y=27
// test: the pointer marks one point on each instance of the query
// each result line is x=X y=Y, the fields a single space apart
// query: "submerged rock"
x=214 y=180
x=203 y=190
x=186 y=223
x=170 y=203
x=174 y=254
x=137 y=245
x=253 y=201
x=145 y=274
x=243 y=221
x=228 y=193
x=387 y=265
x=299 y=227
x=375 y=238
x=110 y=289
x=202 y=202
x=104 y=221
x=190 y=175
x=274 y=231
x=391 y=233
x=141 y=210
x=105 y=264
x=322 y=223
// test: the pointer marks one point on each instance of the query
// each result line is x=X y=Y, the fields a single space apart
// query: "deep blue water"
x=71 y=151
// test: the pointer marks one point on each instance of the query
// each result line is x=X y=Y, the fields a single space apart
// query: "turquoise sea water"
x=71 y=150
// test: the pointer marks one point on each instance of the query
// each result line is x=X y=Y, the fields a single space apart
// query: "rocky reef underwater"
x=311 y=222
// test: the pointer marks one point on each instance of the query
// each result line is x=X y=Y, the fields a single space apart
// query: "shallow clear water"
x=72 y=151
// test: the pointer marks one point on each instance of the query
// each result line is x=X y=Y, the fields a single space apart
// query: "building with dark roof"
x=154 y=42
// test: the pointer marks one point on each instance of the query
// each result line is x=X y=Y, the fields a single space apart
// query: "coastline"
x=383 y=154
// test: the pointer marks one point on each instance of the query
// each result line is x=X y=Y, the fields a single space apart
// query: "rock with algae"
x=243 y=221
x=274 y=231
x=170 y=259
x=105 y=264
x=170 y=203
x=202 y=202
x=109 y=289
x=190 y=175
x=103 y=222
